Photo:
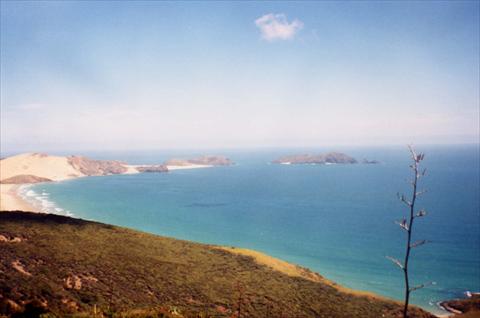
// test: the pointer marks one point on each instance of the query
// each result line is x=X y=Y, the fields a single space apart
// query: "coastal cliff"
x=90 y=167
x=64 y=266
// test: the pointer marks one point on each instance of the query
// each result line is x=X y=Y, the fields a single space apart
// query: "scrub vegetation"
x=56 y=266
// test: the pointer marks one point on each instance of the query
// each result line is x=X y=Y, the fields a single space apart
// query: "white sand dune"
x=55 y=168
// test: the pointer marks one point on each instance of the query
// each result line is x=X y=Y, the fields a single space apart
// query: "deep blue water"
x=337 y=220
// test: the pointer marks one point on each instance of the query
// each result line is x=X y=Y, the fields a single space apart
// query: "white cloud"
x=276 y=27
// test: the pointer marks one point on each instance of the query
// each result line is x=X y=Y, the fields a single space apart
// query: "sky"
x=162 y=75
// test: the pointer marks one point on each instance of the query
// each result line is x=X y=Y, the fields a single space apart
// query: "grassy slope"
x=122 y=269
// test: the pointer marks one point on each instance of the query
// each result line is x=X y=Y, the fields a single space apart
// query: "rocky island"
x=322 y=159
x=370 y=162
x=326 y=158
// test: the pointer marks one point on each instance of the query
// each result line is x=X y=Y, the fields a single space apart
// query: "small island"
x=370 y=162
x=321 y=159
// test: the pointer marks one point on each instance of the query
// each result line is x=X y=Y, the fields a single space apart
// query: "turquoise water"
x=337 y=220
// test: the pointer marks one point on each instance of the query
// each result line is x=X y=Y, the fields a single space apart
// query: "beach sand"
x=11 y=201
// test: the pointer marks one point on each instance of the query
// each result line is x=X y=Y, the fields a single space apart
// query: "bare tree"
x=407 y=224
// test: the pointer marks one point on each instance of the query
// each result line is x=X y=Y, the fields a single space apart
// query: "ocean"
x=337 y=220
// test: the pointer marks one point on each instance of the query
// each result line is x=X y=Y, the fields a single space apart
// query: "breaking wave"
x=41 y=201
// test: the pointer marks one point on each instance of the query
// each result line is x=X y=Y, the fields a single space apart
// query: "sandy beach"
x=11 y=201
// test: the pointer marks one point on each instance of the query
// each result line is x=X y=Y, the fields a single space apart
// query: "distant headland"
x=29 y=168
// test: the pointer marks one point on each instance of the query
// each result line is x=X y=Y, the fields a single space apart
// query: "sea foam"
x=41 y=201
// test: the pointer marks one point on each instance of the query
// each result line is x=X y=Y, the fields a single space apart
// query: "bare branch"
x=418 y=243
x=416 y=157
x=412 y=152
x=403 y=224
x=403 y=198
x=396 y=261
x=422 y=286
x=421 y=213
x=420 y=192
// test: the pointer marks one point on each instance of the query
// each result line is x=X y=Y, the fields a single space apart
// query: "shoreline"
x=18 y=203
x=10 y=199
x=295 y=270
x=218 y=274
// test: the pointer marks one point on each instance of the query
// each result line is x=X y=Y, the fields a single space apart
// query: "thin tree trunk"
x=407 y=225
x=409 y=239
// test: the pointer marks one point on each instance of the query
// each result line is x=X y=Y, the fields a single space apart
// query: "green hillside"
x=70 y=267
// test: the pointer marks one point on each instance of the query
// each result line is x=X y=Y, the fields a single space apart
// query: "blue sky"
x=128 y=75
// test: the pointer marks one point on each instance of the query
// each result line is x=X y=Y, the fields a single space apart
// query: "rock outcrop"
x=469 y=306
x=90 y=167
